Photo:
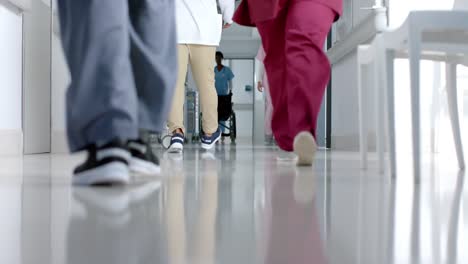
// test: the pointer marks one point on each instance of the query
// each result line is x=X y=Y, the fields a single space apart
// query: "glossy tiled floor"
x=242 y=206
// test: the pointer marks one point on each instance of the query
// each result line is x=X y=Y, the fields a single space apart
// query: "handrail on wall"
x=22 y=5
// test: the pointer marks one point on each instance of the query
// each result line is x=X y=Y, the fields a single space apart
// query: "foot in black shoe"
x=105 y=166
x=143 y=162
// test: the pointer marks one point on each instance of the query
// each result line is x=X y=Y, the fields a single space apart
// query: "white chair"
x=431 y=35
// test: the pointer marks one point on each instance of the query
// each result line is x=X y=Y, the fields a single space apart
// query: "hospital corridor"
x=233 y=131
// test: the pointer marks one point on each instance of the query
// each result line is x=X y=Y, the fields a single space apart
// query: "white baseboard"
x=59 y=142
x=11 y=142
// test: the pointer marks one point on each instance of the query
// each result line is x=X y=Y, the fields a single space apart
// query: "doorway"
x=243 y=90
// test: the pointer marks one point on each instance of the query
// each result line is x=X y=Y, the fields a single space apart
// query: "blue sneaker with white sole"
x=177 y=143
x=208 y=142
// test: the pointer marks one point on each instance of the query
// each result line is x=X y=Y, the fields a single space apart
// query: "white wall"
x=344 y=105
x=344 y=78
x=11 y=26
x=10 y=69
x=399 y=9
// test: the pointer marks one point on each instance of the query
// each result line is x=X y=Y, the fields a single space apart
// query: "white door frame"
x=37 y=34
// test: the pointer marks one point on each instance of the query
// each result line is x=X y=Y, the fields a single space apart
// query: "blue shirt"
x=222 y=79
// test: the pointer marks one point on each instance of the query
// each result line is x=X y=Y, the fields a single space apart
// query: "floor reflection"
x=455 y=215
x=116 y=225
x=234 y=206
x=291 y=202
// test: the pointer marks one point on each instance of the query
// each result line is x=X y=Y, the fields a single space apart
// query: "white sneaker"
x=305 y=148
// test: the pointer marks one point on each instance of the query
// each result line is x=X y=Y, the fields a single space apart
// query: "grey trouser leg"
x=122 y=58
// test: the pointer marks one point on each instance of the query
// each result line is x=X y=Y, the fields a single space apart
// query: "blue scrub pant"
x=122 y=58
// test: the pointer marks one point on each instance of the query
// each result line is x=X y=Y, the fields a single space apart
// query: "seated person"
x=223 y=75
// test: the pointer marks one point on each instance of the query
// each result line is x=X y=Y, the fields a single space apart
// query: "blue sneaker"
x=177 y=143
x=208 y=142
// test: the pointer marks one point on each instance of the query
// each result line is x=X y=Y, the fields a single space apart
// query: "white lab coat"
x=198 y=21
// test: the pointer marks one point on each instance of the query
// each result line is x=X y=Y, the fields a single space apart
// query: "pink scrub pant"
x=297 y=68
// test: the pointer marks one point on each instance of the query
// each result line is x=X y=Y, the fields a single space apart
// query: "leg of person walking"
x=303 y=75
x=176 y=115
x=201 y=59
x=273 y=39
x=102 y=112
x=103 y=109
x=101 y=99
x=307 y=66
x=307 y=72
x=154 y=59
x=268 y=114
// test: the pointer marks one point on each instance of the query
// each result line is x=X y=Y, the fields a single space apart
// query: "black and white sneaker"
x=105 y=166
x=208 y=142
x=143 y=162
x=177 y=143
